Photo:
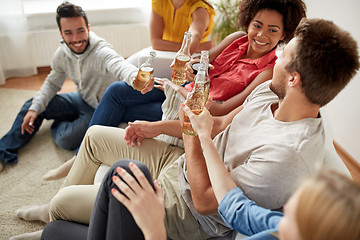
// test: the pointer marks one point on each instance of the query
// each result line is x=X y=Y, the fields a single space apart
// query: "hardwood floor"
x=35 y=82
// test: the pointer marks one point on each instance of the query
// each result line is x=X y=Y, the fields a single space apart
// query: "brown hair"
x=69 y=10
x=326 y=59
x=329 y=208
x=291 y=10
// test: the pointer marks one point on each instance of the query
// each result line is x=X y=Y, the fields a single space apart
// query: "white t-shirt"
x=267 y=158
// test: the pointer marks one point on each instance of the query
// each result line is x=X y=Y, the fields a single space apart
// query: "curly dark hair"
x=291 y=10
x=68 y=10
x=326 y=58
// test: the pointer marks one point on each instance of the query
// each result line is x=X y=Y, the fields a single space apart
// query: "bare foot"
x=34 y=213
x=28 y=236
x=59 y=172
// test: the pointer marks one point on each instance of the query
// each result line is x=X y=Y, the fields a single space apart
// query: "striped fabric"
x=170 y=109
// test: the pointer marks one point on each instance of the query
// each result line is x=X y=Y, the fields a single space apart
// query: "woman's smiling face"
x=265 y=31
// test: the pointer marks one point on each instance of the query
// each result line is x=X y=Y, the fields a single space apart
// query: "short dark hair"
x=69 y=10
x=291 y=10
x=326 y=58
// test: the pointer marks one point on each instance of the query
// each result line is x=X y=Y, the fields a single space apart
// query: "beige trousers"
x=74 y=202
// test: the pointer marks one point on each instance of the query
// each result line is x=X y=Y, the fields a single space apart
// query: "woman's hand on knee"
x=138 y=196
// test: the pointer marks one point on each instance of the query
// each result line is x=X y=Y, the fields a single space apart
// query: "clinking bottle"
x=197 y=98
x=181 y=58
x=145 y=73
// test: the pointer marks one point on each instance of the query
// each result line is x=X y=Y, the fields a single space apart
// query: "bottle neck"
x=185 y=46
x=204 y=59
x=149 y=58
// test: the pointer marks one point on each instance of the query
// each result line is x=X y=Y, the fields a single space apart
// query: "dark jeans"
x=121 y=103
x=71 y=117
x=110 y=219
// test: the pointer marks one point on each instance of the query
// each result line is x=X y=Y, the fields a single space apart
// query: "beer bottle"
x=181 y=58
x=145 y=73
x=197 y=98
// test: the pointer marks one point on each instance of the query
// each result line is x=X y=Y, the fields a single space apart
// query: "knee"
x=73 y=203
x=68 y=137
x=94 y=132
x=116 y=88
x=59 y=204
x=65 y=143
x=124 y=163
x=67 y=140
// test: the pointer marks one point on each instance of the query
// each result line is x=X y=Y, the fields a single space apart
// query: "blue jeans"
x=71 y=117
x=121 y=103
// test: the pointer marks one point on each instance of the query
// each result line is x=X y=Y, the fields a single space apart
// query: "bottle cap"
x=153 y=53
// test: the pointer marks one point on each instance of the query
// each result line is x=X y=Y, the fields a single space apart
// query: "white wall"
x=344 y=110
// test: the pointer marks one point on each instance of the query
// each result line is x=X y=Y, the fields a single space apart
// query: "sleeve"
x=116 y=64
x=51 y=85
x=260 y=88
x=270 y=175
x=245 y=216
x=157 y=6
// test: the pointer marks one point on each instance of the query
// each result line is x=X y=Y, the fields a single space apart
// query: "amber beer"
x=195 y=101
x=143 y=77
x=187 y=127
x=197 y=98
x=145 y=73
x=179 y=75
x=181 y=58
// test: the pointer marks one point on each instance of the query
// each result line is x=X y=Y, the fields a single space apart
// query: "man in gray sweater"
x=91 y=63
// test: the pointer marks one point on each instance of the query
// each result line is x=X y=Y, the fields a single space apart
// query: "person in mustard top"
x=169 y=20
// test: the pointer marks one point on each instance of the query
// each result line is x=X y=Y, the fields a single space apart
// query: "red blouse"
x=231 y=74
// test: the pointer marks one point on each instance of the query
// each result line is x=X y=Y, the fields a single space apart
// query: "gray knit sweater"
x=92 y=72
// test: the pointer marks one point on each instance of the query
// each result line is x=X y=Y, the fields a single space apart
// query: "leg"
x=105 y=145
x=59 y=172
x=110 y=219
x=61 y=108
x=73 y=203
x=59 y=230
x=69 y=131
x=180 y=222
x=13 y=140
x=118 y=98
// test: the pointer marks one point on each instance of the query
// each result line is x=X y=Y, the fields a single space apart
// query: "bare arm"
x=219 y=109
x=220 y=179
x=200 y=22
x=161 y=82
x=215 y=51
x=201 y=188
x=139 y=130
